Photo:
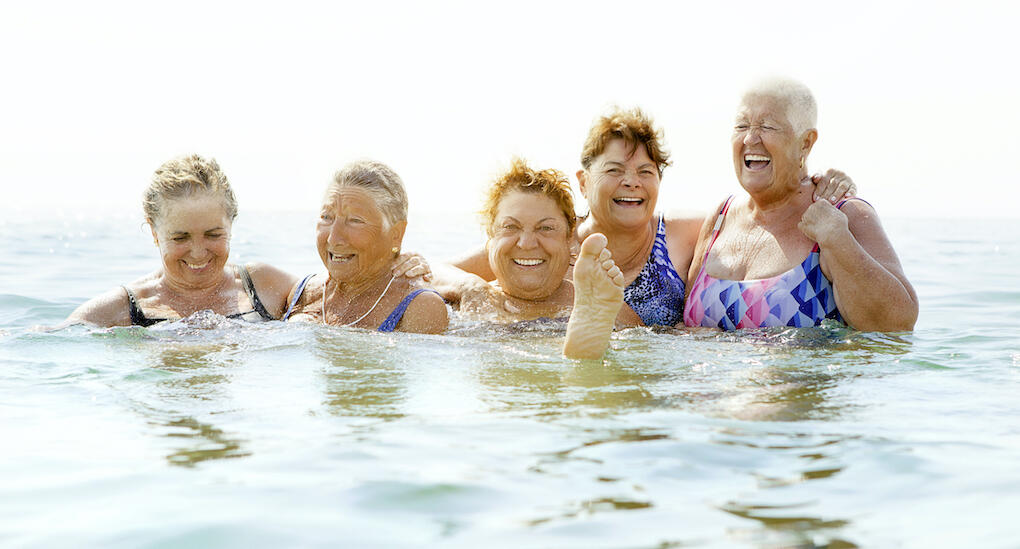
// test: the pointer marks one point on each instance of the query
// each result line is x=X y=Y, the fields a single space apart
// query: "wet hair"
x=183 y=177
x=633 y=126
x=382 y=184
x=520 y=177
x=801 y=109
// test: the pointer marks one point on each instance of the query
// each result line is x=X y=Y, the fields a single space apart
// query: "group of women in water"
x=793 y=251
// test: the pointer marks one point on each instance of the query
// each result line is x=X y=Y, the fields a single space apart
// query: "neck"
x=550 y=305
x=770 y=207
x=188 y=291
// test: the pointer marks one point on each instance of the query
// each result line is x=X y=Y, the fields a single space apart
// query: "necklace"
x=362 y=317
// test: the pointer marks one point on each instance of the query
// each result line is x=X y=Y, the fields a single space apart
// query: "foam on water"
x=213 y=432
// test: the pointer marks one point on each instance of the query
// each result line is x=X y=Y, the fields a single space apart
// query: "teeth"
x=529 y=262
x=337 y=257
x=196 y=267
x=756 y=158
x=628 y=199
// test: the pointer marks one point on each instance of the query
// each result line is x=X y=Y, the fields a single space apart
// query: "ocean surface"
x=214 y=433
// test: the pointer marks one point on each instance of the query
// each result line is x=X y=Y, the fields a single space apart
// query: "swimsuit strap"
x=391 y=321
x=297 y=295
x=253 y=296
x=718 y=225
x=138 y=318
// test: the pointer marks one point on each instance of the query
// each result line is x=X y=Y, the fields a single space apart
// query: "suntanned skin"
x=193 y=237
x=356 y=243
x=777 y=224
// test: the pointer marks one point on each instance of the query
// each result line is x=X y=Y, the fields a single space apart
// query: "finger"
x=608 y=264
x=614 y=272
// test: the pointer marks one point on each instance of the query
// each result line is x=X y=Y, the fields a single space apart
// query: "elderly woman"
x=781 y=257
x=190 y=208
x=529 y=217
x=360 y=230
x=622 y=164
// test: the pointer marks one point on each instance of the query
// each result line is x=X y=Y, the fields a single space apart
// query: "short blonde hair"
x=521 y=177
x=634 y=127
x=185 y=176
x=381 y=182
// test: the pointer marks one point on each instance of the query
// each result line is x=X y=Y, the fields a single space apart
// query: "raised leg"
x=598 y=296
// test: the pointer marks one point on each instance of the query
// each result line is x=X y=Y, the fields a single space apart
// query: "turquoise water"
x=209 y=432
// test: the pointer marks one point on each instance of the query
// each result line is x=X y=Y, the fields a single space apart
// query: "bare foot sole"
x=598 y=296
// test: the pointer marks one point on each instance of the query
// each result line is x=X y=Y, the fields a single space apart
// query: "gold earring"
x=396 y=251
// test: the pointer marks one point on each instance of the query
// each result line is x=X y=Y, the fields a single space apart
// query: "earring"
x=396 y=251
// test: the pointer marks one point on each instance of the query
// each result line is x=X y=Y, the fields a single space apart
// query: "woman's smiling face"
x=529 y=250
x=766 y=148
x=354 y=240
x=621 y=185
x=193 y=235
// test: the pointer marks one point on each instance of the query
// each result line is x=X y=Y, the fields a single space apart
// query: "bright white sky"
x=918 y=104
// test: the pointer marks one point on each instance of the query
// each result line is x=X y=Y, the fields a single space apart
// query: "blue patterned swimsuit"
x=657 y=294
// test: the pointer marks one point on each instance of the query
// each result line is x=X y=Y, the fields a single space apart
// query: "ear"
x=808 y=139
x=397 y=233
x=152 y=228
x=582 y=181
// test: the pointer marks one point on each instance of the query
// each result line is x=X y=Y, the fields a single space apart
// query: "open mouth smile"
x=528 y=262
x=629 y=201
x=756 y=161
x=340 y=258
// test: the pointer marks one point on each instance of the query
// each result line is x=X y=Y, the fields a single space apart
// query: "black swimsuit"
x=258 y=312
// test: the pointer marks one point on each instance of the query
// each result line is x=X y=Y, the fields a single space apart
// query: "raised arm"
x=475 y=262
x=871 y=290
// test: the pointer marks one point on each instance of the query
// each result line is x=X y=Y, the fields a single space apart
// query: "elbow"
x=887 y=319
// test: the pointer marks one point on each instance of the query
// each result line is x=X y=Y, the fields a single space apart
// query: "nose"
x=335 y=233
x=752 y=135
x=197 y=249
x=527 y=240
x=630 y=179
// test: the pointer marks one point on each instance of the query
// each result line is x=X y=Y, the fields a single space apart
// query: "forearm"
x=452 y=283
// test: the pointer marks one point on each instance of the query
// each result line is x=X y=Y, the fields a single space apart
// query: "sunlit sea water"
x=212 y=433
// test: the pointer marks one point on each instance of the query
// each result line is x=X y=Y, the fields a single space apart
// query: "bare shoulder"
x=111 y=308
x=426 y=314
x=860 y=214
x=273 y=286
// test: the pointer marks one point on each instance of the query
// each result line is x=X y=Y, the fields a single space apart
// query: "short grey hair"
x=801 y=109
x=381 y=182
